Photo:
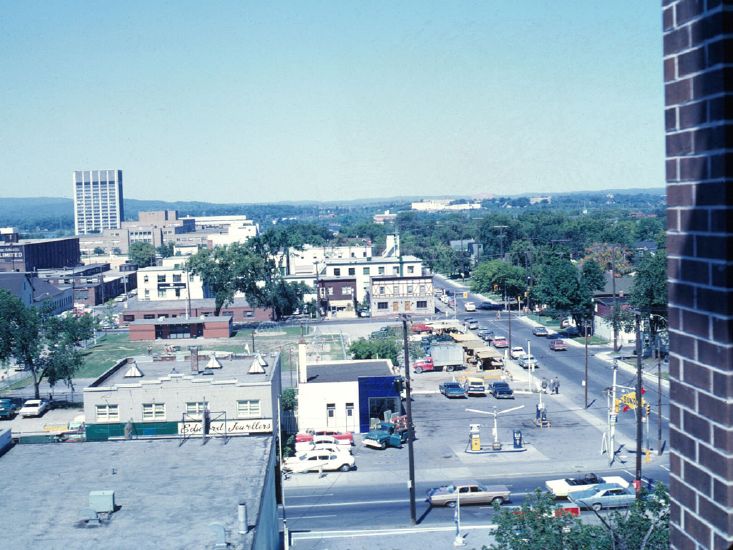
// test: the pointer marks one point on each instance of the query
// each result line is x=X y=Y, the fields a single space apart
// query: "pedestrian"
x=552 y=385
x=557 y=385
x=544 y=385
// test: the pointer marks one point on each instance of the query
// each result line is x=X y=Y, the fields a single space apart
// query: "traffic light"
x=648 y=410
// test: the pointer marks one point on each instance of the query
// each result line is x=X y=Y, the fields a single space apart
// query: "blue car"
x=604 y=495
x=452 y=389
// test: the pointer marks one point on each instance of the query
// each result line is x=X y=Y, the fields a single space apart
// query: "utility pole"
x=612 y=416
x=615 y=304
x=637 y=322
x=585 y=383
x=410 y=427
x=659 y=404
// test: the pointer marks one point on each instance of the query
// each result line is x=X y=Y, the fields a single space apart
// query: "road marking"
x=632 y=475
x=312 y=517
x=664 y=467
x=311 y=496
x=381 y=532
x=352 y=503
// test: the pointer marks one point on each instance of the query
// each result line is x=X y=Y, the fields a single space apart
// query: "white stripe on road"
x=311 y=496
x=374 y=533
x=353 y=503
x=664 y=467
x=313 y=517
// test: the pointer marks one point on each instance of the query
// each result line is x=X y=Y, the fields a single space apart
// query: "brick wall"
x=698 y=80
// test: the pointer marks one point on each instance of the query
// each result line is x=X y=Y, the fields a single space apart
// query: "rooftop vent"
x=213 y=363
x=258 y=365
x=134 y=371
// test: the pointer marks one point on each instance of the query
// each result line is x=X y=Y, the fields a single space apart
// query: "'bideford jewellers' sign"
x=219 y=427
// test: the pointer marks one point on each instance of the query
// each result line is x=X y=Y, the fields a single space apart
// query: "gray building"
x=167 y=494
x=172 y=395
x=98 y=200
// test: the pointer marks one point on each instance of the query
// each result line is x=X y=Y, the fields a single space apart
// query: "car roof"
x=475 y=379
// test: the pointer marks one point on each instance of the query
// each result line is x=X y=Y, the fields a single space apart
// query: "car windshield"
x=451 y=385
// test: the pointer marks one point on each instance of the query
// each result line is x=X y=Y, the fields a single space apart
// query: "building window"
x=348 y=290
x=176 y=278
x=331 y=410
x=381 y=270
x=196 y=408
x=365 y=271
x=422 y=304
x=382 y=305
x=349 y=409
x=107 y=412
x=411 y=269
x=153 y=411
x=330 y=291
x=422 y=289
x=249 y=408
x=381 y=290
x=161 y=294
x=161 y=278
x=395 y=290
x=146 y=279
x=352 y=271
x=409 y=289
x=337 y=272
x=396 y=270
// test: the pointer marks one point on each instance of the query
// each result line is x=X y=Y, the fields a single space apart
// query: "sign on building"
x=230 y=427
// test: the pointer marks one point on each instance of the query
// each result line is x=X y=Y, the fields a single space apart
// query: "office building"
x=34 y=254
x=98 y=200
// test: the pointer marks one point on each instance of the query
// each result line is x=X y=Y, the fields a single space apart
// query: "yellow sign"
x=465 y=294
x=629 y=400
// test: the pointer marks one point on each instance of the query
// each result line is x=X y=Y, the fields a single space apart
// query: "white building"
x=98 y=200
x=392 y=295
x=366 y=268
x=309 y=259
x=346 y=395
x=438 y=205
x=171 y=282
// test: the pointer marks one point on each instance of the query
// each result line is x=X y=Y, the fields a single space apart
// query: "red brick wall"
x=698 y=43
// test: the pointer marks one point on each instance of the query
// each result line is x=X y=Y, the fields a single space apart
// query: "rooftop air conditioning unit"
x=102 y=502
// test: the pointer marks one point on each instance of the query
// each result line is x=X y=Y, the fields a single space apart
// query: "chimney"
x=302 y=358
x=194 y=359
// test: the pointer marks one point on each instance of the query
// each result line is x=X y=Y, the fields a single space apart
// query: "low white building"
x=392 y=295
x=171 y=282
x=346 y=395
x=364 y=269
x=439 y=205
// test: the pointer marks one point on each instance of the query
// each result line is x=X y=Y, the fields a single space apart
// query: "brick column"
x=698 y=76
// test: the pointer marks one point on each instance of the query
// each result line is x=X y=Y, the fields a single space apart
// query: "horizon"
x=287 y=102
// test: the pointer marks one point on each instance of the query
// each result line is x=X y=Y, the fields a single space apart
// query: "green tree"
x=289 y=399
x=558 y=287
x=499 y=276
x=166 y=250
x=649 y=291
x=376 y=348
x=142 y=254
x=46 y=346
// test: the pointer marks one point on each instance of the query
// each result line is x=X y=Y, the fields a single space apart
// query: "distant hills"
x=57 y=213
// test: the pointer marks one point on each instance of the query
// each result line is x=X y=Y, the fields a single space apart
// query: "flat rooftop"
x=348 y=371
x=180 y=369
x=168 y=495
x=155 y=305
x=183 y=320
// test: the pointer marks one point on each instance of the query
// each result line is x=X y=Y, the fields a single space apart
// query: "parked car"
x=527 y=360
x=475 y=386
x=540 y=331
x=343 y=438
x=500 y=342
x=485 y=334
x=558 y=345
x=517 y=352
x=605 y=495
x=469 y=493
x=420 y=328
x=564 y=487
x=452 y=389
x=469 y=306
x=316 y=460
x=7 y=409
x=33 y=407
x=501 y=390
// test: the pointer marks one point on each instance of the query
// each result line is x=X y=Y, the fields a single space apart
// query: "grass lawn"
x=549 y=322
x=592 y=341
x=108 y=351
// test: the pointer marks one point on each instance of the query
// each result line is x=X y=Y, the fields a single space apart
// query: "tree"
x=284 y=297
x=499 y=276
x=649 y=291
x=559 y=287
x=44 y=345
x=166 y=250
x=644 y=526
x=376 y=348
x=142 y=254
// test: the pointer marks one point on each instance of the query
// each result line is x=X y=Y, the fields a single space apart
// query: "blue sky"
x=257 y=101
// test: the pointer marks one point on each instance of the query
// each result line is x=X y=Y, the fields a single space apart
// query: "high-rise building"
x=698 y=88
x=97 y=200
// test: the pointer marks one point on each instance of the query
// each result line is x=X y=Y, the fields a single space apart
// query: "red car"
x=302 y=437
x=419 y=328
x=558 y=345
x=423 y=365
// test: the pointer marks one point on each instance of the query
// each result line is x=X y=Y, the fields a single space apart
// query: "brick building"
x=35 y=254
x=699 y=124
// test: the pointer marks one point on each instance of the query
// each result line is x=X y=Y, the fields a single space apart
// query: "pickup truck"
x=475 y=386
x=387 y=435
x=452 y=389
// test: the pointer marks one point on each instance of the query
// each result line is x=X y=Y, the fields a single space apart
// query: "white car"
x=445 y=298
x=469 y=306
x=33 y=407
x=563 y=487
x=332 y=448
x=316 y=460
x=517 y=352
x=320 y=440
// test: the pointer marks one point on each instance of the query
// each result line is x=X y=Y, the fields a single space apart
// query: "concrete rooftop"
x=168 y=494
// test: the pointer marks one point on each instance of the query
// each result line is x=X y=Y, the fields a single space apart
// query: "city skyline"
x=253 y=103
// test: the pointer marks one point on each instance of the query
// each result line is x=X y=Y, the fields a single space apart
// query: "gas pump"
x=475 y=435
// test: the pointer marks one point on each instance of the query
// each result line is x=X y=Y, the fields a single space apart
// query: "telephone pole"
x=410 y=427
x=585 y=384
x=637 y=322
